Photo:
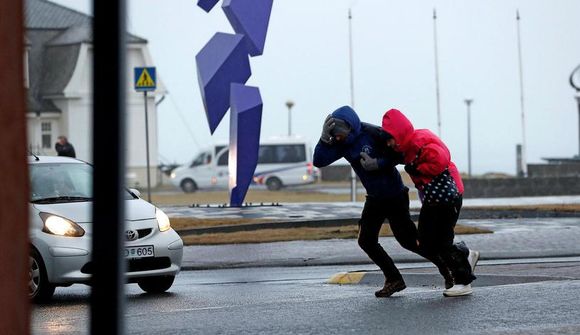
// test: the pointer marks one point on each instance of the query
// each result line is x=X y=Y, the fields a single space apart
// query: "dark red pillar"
x=14 y=318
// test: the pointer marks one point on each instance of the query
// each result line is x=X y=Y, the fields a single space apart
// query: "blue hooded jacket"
x=384 y=182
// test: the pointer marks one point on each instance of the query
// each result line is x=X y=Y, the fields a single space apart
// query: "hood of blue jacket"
x=348 y=115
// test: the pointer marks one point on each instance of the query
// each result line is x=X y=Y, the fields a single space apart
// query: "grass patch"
x=294 y=234
x=253 y=196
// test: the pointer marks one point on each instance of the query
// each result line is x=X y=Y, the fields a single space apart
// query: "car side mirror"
x=135 y=192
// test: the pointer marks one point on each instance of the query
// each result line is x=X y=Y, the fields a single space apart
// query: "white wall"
x=75 y=121
x=34 y=132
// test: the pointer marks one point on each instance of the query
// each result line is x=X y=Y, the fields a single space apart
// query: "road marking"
x=345 y=278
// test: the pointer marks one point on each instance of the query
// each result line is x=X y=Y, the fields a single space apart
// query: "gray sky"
x=306 y=60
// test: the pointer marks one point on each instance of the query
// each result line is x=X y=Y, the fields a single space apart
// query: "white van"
x=281 y=162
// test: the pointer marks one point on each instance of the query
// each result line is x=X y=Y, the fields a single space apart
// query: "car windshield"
x=62 y=182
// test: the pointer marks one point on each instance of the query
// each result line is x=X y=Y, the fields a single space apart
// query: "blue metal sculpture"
x=222 y=61
x=245 y=124
x=223 y=68
x=250 y=18
x=207 y=5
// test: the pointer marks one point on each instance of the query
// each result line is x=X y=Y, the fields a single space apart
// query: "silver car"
x=60 y=231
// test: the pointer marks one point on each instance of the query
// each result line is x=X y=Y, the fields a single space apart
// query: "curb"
x=399 y=259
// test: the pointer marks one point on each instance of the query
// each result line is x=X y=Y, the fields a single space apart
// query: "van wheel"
x=39 y=289
x=274 y=184
x=188 y=186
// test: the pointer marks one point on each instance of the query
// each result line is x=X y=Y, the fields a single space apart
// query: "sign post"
x=145 y=81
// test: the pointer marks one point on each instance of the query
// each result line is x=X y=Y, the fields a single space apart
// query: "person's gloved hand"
x=412 y=169
x=368 y=163
x=329 y=124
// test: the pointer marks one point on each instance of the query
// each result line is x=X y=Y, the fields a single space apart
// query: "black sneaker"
x=390 y=288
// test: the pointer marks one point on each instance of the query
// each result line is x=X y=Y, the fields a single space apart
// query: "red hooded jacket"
x=434 y=156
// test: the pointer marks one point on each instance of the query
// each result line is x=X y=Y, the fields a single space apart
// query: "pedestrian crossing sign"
x=145 y=79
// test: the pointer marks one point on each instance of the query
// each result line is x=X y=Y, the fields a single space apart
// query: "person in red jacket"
x=428 y=162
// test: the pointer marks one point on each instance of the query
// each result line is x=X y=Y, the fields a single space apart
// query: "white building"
x=58 y=62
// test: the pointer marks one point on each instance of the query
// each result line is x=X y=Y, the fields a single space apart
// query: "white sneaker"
x=472 y=258
x=458 y=290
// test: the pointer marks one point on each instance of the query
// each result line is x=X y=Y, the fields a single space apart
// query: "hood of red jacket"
x=397 y=124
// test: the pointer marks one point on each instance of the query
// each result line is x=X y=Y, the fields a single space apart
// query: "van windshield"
x=201 y=159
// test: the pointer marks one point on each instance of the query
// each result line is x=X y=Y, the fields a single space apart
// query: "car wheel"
x=156 y=284
x=39 y=289
x=274 y=184
x=188 y=186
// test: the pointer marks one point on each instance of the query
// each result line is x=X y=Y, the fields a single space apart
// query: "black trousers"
x=436 y=234
x=396 y=210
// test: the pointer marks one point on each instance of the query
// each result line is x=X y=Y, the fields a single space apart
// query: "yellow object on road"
x=346 y=278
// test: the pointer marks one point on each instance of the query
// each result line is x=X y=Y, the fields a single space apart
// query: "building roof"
x=46 y=15
x=54 y=35
x=563 y=160
x=41 y=14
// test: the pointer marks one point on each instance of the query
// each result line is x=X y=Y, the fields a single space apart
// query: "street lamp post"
x=578 y=101
x=575 y=83
x=468 y=102
x=289 y=104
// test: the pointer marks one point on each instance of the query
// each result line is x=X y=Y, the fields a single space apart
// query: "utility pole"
x=352 y=174
x=468 y=102
x=524 y=163
x=437 y=73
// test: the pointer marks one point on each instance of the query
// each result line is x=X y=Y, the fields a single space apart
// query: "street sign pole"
x=145 y=81
x=147 y=149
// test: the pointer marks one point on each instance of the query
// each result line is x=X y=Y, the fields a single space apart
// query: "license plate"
x=140 y=251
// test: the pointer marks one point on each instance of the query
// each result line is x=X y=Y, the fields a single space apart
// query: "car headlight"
x=162 y=220
x=172 y=175
x=57 y=225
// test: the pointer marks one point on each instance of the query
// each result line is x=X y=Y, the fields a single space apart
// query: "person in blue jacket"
x=364 y=146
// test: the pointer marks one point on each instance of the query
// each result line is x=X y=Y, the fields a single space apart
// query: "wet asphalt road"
x=296 y=300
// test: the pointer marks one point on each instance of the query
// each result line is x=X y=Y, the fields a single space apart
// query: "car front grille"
x=144 y=232
x=135 y=265
x=145 y=264
x=134 y=235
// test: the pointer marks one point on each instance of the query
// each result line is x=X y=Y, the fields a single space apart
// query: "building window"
x=46 y=126
x=46 y=141
x=46 y=132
